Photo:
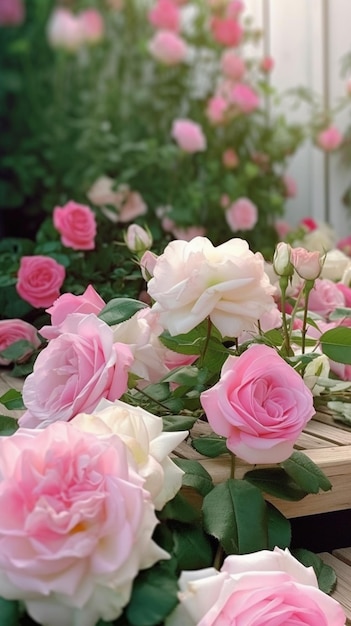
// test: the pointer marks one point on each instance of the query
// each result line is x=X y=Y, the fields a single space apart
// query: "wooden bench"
x=340 y=561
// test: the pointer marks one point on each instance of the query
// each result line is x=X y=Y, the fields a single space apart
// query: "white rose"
x=336 y=263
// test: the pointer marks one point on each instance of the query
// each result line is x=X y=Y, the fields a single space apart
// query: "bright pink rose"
x=216 y=109
x=39 y=280
x=188 y=135
x=308 y=223
x=226 y=31
x=92 y=24
x=165 y=15
x=232 y=65
x=308 y=264
x=265 y=587
x=11 y=12
x=75 y=370
x=329 y=139
x=168 y=48
x=14 y=330
x=230 y=159
x=76 y=224
x=241 y=215
x=267 y=64
x=244 y=98
x=76 y=524
x=64 y=30
x=325 y=297
x=87 y=302
x=260 y=404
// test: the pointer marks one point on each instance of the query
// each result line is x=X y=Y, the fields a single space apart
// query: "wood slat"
x=342 y=591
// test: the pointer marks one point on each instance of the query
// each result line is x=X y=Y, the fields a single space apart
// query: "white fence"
x=307 y=39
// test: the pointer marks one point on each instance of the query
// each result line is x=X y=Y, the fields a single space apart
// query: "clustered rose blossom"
x=188 y=135
x=13 y=330
x=76 y=524
x=76 y=224
x=260 y=404
x=265 y=587
x=71 y=31
x=39 y=280
x=194 y=280
x=168 y=47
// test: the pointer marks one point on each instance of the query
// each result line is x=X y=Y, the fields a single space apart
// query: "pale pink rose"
x=64 y=30
x=260 y=404
x=12 y=12
x=230 y=159
x=102 y=192
x=76 y=524
x=147 y=264
x=188 y=135
x=142 y=432
x=344 y=245
x=282 y=228
x=168 y=48
x=216 y=109
x=39 y=280
x=308 y=264
x=14 y=330
x=267 y=64
x=226 y=31
x=325 y=297
x=133 y=207
x=234 y=8
x=290 y=186
x=329 y=139
x=76 y=224
x=167 y=224
x=342 y=370
x=87 y=302
x=194 y=280
x=232 y=65
x=165 y=15
x=335 y=264
x=261 y=588
x=188 y=233
x=138 y=239
x=76 y=369
x=346 y=291
x=92 y=24
x=244 y=98
x=241 y=215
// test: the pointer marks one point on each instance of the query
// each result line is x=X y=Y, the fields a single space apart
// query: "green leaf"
x=118 y=310
x=195 y=475
x=279 y=528
x=9 y=612
x=340 y=313
x=276 y=482
x=17 y=349
x=173 y=423
x=192 y=547
x=12 y=399
x=325 y=574
x=336 y=344
x=179 y=509
x=8 y=425
x=306 y=473
x=154 y=595
x=187 y=376
x=210 y=445
x=236 y=514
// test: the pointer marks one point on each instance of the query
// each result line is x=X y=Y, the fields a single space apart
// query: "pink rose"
x=230 y=159
x=344 y=245
x=165 y=15
x=325 y=297
x=14 y=330
x=76 y=524
x=168 y=48
x=92 y=25
x=290 y=186
x=76 y=369
x=187 y=234
x=188 y=135
x=147 y=264
x=64 y=30
x=346 y=291
x=76 y=224
x=282 y=228
x=226 y=31
x=39 y=280
x=232 y=65
x=329 y=139
x=216 y=109
x=131 y=207
x=193 y=280
x=260 y=404
x=267 y=64
x=11 y=12
x=241 y=215
x=265 y=587
x=307 y=264
x=244 y=98
x=87 y=302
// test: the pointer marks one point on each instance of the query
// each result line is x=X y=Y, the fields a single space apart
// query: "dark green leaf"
x=154 y=595
x=120 y=309
x=178 y=422
x=336 y=344
x=211 y=445
x=8 y=425
x=12 y=399
x=187 y=376
x=195 y=476
x=306 y=473
x=16 y=350
x=276 y=482
x=325 y=574
x=9 y=612
x=179 y=509
x=236 y=514
x=279 y=528
x=192 y=547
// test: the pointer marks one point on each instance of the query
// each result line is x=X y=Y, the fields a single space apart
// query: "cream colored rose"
x=336 y=263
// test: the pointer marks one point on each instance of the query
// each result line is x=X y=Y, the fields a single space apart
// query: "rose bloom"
x=226 y=31
x=142 y=432
x=267 y=64
x=329 y=139
x=87 y=302
x=165 y=15
x=76 y=524
x=241 y=215
x=14 y=330
x=290 y=186
x=75 y=370
x=216 y=109
x=64 y=30
x=325 y=297
x=12 y=12
x=344 y=245
x=39 y=280
x=138 y=239
x=76 y=224
x=244 y=98
x=265 y=587
x=194 y=280
x=346 y=291
x=308 y=264
x=189 y=233
x=232 y=65
x=260 y=404
x=102 y=192
x=230 y=159
x=92 y=24
x=335 y=264
x=168 y=48
x=188 y=135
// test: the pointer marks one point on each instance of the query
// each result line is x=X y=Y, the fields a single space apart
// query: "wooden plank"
x=342 y=591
